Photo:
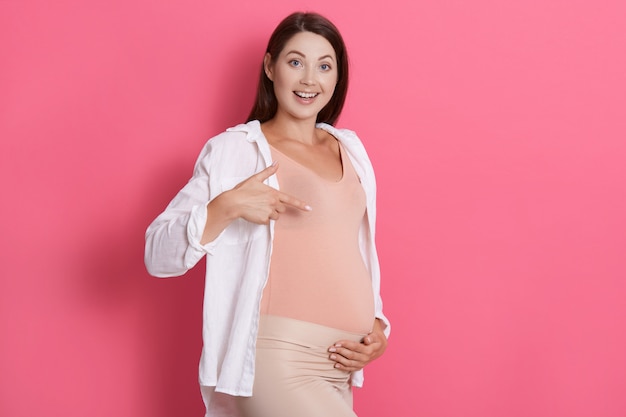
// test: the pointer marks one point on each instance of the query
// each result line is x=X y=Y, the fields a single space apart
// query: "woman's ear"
x=267 y=66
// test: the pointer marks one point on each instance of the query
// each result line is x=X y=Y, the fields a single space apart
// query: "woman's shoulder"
x=342 y=134
x=236 y=143
x=235 y=139
x=236 y=135
x=347 y=137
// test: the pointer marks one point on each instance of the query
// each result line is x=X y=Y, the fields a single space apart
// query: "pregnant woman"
x=283 y=208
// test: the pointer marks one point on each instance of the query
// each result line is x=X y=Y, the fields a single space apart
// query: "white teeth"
x=305 y=95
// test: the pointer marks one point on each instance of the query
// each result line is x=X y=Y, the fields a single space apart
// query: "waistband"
x=302 y=332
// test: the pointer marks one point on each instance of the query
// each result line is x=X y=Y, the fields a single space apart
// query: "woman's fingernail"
x=333 y=357
x=332 y=349
x=308 y=208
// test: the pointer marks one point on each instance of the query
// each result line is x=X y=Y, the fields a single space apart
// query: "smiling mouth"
x=305 y=95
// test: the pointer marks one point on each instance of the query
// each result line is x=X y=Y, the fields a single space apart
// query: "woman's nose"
x=308 y=77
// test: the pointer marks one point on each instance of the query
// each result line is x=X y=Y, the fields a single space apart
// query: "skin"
x=304 y=76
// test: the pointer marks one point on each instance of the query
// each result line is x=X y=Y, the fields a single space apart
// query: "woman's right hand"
x=259 y=203
x=251 y=200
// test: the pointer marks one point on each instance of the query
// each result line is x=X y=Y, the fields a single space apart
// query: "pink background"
x=498 y=132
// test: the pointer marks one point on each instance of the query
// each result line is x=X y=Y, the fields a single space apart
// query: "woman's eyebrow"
x=304 y=56
x=297 y=53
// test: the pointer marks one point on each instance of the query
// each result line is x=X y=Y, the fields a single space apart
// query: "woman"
x=283 y=207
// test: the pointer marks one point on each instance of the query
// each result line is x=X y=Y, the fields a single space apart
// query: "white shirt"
x=237 y=262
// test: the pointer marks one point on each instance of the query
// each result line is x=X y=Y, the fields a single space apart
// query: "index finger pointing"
x=294 y=202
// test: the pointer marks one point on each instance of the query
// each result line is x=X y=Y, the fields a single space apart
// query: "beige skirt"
x=294 y=375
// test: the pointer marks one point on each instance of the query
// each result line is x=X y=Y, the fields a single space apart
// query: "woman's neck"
x=282 y=128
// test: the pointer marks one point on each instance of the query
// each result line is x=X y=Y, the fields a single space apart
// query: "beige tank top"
x=317 y=273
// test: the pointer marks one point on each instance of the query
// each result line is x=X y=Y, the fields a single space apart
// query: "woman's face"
x=304 y=75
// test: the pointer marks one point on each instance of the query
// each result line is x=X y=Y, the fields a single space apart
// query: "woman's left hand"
x=353 y=356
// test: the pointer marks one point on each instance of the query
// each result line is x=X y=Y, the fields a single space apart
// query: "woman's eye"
x=325 y=67
x=295 y=63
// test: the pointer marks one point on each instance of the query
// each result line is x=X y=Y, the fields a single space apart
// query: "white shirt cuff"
x=195 y=229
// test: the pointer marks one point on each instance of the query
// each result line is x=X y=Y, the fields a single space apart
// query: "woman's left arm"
x=353 y=356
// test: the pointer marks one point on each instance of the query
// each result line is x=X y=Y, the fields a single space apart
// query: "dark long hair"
x=265 y=104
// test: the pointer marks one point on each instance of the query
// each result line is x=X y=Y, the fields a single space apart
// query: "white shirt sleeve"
x=173 y=239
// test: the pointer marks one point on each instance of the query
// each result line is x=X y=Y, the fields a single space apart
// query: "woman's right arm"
x=172 y=240
x=189 y=229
